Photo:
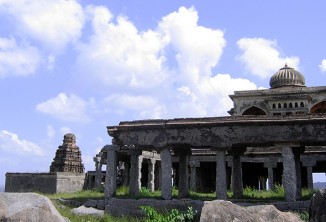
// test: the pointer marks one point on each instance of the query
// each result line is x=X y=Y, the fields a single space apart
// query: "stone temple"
x=276 y=135
x=68 y=156
x=66 y=173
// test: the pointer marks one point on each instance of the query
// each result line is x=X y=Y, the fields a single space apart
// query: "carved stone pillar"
x=151 y=174
x=310 y=178
x=309 y=164
x=271 y=176
x=126 y=174
x=289 y=174
x=166 y=166
x=135 y=172
x=111 y=171
x=183 y=176
x=237 y=185
x=221 y=186
x=193 y=174
x=298 y=173
x=98 y=171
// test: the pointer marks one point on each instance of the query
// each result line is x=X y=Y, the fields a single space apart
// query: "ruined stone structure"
x=277 y=133
x=66 y=173
x=68 y=156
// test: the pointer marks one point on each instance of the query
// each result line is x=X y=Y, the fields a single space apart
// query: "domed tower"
x=286 y=76
x=68 y=156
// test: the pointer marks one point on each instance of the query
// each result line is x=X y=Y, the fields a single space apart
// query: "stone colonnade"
x=291 y=172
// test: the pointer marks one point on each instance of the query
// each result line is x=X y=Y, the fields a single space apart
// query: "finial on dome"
x=286 y=65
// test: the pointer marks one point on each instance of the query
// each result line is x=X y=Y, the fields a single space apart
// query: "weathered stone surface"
x=68 y=156
x=27 y=207
x=3 y=209
x=219 y=210
x=82 y=210
x=91 y=203
x=289 y=174
x=166 y=166
x=317 y=209
x=221 y=131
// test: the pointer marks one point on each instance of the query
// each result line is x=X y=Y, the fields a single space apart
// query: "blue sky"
x=79 y=66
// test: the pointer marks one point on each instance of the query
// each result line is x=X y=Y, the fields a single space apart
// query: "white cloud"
x=138 y=107
x=53 y=22
x=10 y=142
x=197 y=48
x=17 y=60
x=322 y=66
x=50 y=131
x=120 y=53
x=67 y=108
x=261 y=56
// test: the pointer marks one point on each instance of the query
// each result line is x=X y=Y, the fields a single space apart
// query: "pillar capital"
x=194 y=163
x=270 y=164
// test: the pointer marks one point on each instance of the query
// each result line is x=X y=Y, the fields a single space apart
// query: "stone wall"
x=44 y=182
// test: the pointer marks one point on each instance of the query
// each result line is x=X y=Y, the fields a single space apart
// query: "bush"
x=174 y=216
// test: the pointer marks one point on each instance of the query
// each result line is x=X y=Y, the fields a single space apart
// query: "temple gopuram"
x=68 y=156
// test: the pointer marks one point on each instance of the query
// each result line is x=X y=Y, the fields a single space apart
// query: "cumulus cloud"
x=322 y=66
x=138 y=107
x=65 y=107
x=197 y=48
x=10 y=142
x=261 y=57
x=17 y=60
x=55 y=23
x=156 y=73
x=120 y=53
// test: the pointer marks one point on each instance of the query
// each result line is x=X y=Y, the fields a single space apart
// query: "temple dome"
x=287 y=76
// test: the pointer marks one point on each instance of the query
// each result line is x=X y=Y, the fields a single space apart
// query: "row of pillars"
x=291 y=173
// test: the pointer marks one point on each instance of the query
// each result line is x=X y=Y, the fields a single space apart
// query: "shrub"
x=174 y=216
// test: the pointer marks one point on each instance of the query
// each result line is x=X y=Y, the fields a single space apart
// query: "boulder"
x=82 y=210
x=317 y=209
x=27 y=207
x=219 y=210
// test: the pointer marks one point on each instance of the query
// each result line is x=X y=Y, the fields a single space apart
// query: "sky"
x=77 y=66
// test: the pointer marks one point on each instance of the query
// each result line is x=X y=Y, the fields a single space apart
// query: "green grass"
x=123 y=192
x=83 y=196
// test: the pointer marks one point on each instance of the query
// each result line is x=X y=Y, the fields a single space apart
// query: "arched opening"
x=319 y=108
x=285 y=105
x=279 y=106
x=301 y=104
x=290 y=105
x=296 y=105
x=274 y=106
x=254 y=111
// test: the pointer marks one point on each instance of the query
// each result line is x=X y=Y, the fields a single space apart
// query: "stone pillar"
x=98 y=172
x=193 y=174
x=237 y=185
x=289 y=174
x=221 y=186
x=183 y=185
x=298 y=173
x=126 y=174
x=135 y=172
x=271 y=177
x=166 y=166
x=309 y=163
x=309 y=177
x=151 y=175
x=111 y=171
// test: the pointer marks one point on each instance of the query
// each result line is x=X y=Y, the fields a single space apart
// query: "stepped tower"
x=68 y=156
